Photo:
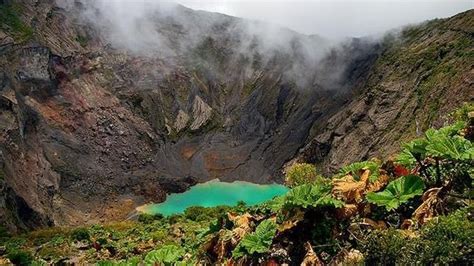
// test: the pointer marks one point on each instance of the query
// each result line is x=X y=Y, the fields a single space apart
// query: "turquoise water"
x=215 y=193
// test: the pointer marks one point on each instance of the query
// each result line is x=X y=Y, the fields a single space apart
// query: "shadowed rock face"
x=88 y=131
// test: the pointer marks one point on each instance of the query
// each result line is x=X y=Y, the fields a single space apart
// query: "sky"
x=336 y=18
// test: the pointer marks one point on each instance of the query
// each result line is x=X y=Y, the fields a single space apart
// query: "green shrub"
x=57 y=240
x=49 y=252
x=300 y=173
x=384 y=247
x=462 y=113
x=20 y=257
x=149 y=218
x=15 y=243
x=447 y=239
x=198 y=213
x=444 y=240
x=80 y=234
x=82 y=40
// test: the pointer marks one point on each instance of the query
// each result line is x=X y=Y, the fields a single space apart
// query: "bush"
x=445 y=240
x=20 y=257
x=198 y=213
x=80 y=234
x=384 y=247
x=462 y=113
x=149 y=218
x=300 y=174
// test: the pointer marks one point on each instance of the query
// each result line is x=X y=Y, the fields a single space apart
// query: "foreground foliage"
x=445 y=240
x=397 y=192
x=416 y=209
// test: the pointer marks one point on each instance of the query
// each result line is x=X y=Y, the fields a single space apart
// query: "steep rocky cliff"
x=90 y=129
x=419 y=78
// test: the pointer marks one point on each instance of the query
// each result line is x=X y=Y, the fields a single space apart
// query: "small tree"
x=300 y=173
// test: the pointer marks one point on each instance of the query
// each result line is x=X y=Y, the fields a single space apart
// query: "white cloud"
x=336 y=18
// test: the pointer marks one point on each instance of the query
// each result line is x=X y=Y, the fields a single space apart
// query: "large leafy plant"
x=442 y=155
x=167 y=255
x=443 y=143
x=257 y=242
x=397 y=192
x=310 y=195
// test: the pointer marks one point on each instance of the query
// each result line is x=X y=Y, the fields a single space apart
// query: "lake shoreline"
x=214 y=193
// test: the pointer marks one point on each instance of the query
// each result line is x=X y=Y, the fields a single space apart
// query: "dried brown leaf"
x=350 y=190
x=407 y=224
x=311 y=258
x=292 y=222
x=380 y=183
x=374 y=224
x=433 y=205
x=353 y=191
x=242 y=225
x=346 y=212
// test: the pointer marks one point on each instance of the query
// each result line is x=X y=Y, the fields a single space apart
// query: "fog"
x=336 y=19
x=164 y=28
x=270 y=31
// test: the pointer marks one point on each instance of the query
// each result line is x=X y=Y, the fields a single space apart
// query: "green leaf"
x=444 y=143
x=452 y=129
x=276 y=203
x=257 y=242
x=454 y=148
x=411 y=151
x=167 y=255
x=397 y=192
x=310 y=195
x=406 y=158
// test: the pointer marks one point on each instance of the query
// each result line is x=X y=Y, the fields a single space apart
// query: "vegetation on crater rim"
x=11 y=22
x=417 y=208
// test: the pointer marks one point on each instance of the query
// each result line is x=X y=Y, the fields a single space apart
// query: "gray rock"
x=181 y=121
x=202 y=112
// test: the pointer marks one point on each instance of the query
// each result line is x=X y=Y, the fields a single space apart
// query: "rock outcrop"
x=201 y=113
